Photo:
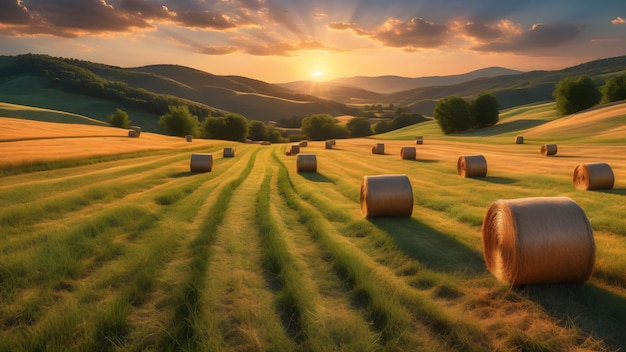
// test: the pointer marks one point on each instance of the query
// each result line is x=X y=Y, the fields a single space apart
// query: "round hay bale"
x=294 y=149
x=229 y=153
x=303 y=143
x=189 y=138
x=137 y=130
x=132 y=134
x=419 y=140
x=593 y=176
x=519 y=140
x=332 y=141
x=538 y=240
x=328 y=145
x=408 y=153
x=379 y=148
x=548 y=149
x=265 y=143
x=306 y=163
x=386 y=195
x=472 y=166
x=201 y=162
x=248 y=141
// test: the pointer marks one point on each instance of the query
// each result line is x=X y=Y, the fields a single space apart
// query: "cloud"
x=507 y=36
x=204 y=19
x=411 y=35
x=618 y=20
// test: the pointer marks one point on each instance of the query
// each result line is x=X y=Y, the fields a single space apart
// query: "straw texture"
x=593 y=176
x=386 y=195
x=201 y=162
x=548 y=149
x=189 y=138
x=229 y=153
x=519 y=140
x=379 y=148
x=306 y=163
x=472 y=166
x=407 y=153
x=538 y=240
x=419 y=140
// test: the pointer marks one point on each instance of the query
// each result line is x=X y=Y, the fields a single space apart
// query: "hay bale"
x=265 y=143
x=137 y=130
x=332 y=141
x=189 y=138
x=249 y=141
x=306 y=163
x=408 y=153
x=294 y=149
x=472 y=166
x=201 y=162
x=519 y=140
x=132 y=134
x=538 y=240
x=548 y=149
x=419 y=140
x=229 y=153
x=593 y=176
x=386 y=195
x=328 y=145
x=379 y=148
x=303 y=143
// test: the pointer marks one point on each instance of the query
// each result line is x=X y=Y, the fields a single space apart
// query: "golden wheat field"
x=110 y=243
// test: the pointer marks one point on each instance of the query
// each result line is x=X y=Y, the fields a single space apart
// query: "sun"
x=317 y=74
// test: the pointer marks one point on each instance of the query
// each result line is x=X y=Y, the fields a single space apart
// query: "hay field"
x=137 y=253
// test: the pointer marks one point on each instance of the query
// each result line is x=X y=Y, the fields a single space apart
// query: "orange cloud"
x=618 y=20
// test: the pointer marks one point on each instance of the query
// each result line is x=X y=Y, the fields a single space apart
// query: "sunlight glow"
x=317 y=74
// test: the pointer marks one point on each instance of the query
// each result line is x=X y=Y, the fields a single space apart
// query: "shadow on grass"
x=620 y=191
x=315 y=177
x=424 y=161
x=497 y=179
x=184 y=174
x=430 y=247
x=590 y=308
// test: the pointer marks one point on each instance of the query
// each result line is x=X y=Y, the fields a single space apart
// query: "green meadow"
x=136 y=253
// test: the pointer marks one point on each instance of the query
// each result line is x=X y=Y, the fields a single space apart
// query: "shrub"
x=484 y=111
x=614 y=89
x=452 y=115
x=381 y=127
x=231 y=127
x=573 y=94
x=318 y=127
x=178 y=121
x=359 y=127
x=119 y=119
x=405 y=118
x=257 y=131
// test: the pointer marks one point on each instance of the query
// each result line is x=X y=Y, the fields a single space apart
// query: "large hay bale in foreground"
x=419 y=140
x=538 y=240
x=189 y=138
x=593 y=176
x=472 y=166
x=408 y=153
x=137 y=130
x=548 y=149
x=379 y=148
x=132 y=134
x=306 y=163
x=303 y=143
x=386 y=195
x=229 y=153
x=201 y=162
x=519 y=140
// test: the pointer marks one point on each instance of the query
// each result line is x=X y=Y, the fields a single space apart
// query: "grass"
x=132 y=251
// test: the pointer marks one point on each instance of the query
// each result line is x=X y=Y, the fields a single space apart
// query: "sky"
x=280 y=41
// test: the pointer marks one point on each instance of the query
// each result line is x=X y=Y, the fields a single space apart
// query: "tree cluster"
x=574 y=94
x=319 y=127
x=259 y=131
x=454 y=114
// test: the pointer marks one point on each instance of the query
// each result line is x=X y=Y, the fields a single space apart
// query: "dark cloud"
x=204 y=19
x=538 y=37
x=482 y=32
x=414 y=34
x=13 y=13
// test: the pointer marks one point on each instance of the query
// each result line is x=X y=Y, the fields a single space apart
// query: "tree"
x=231 y=127
x=318 y=126
x=381 y=127
x=405 y=119
x=119 y=119
x=273 y=135
x=484 y=111
x=178 y=121
x=359 y=127
x=614 y=89
x=257 y=131
x=452 y=115
x=573 y=94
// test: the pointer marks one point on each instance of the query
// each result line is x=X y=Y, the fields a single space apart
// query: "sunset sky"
x=287 y=40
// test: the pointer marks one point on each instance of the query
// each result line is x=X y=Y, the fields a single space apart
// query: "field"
x=110 y=243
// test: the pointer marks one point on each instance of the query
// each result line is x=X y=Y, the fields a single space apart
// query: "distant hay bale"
x=419 y=140
x=472 y=166
x=519 y=140
x=548 y=149
x=248 y=140
x=408 y=153
x=132 y=134
x=201 y=162
x=189 y=138
x=332 y=141
x=538 y=240
x=265 y=143
x=593 y=176
x=328 y=145
x=306 y=163
x=294 y=149
x=303 y=143
x=386 y=195
x=379 y=148
x=229 y=153
x=137 y=130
